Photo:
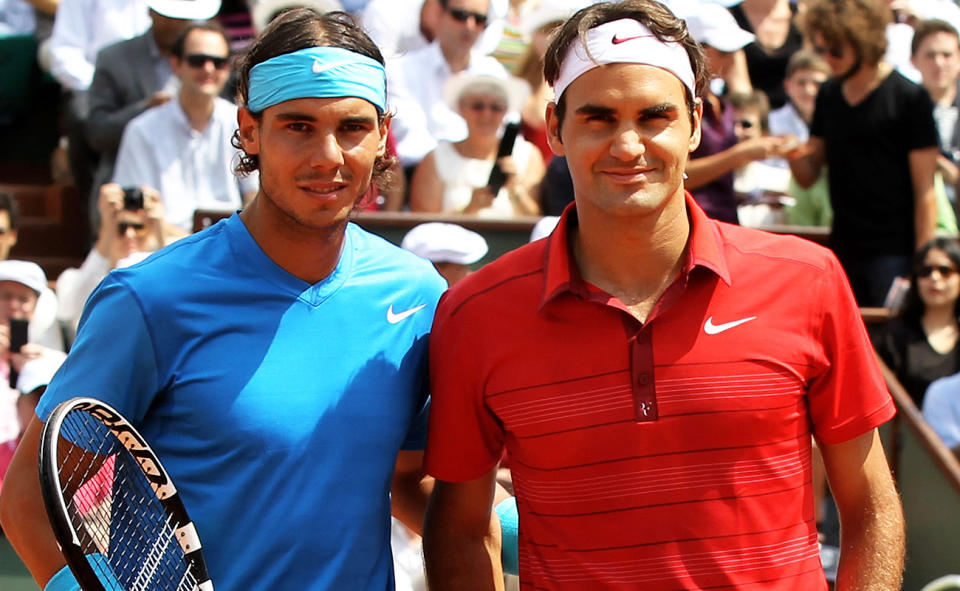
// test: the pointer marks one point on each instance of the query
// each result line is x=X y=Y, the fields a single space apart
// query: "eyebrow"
x=295 y=116
x=658 y=109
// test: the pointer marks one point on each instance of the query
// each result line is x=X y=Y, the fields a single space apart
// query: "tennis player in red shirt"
x=655 y=376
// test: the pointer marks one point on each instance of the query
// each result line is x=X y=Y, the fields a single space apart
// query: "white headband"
x=623 y=41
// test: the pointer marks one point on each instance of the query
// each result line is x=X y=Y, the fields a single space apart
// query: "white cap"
x=712 y=24
x=191 y=10
x=544 y=227
x=39 y=371
x=445 y=243
x=24 y=272
x=512 y=89
x=263 y=11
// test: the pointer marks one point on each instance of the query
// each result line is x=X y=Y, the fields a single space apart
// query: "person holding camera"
x=132 y=227
x=25 y=367
x=182 y=149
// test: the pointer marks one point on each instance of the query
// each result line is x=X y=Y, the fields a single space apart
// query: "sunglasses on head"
x=199 y=60
x=463 y=16
x=927 y=270
x=479 y=106
x=122 y=227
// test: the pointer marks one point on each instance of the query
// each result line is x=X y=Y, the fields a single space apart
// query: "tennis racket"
x=116 y=514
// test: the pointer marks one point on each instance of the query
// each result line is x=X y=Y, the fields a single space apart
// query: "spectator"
x=451 y=248
x=941 y=409
x=776 y=39
x=21 y=283
x=710 y=170
x=264 y=11
x=806 y=72
x=127 y=234
x=874 y=129
x=415 y=81
x=132 y=76
x=936 y=54
x=9 y=222
x=920 y=343
x=182 y=149
x=454 y=176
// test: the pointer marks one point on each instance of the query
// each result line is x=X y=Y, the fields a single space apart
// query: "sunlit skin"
x=457 y=38
x=802 y=88
x=633 y=138
x=939 y=289
x=485 y=121
x=938 y=59
x=206 y=80
x=316 y=157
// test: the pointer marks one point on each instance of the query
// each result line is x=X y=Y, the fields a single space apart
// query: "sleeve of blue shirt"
x=113 y=358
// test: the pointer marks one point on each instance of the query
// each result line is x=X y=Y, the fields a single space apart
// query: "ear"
x=249 y=127
x=553 y=130
x=696 y=132
x=384 y=133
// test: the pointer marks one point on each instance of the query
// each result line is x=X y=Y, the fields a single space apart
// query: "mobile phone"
x=18 y=338
x=132 y=199
x=497 y=176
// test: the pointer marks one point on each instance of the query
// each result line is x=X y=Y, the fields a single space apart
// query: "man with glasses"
x=415 y=81
x=182 y=149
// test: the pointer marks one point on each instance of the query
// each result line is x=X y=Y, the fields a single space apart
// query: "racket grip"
x=63 y=580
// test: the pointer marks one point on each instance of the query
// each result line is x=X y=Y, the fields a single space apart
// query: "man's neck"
x=634 y=258
x=457 y=60
x=944 y=96
x=198 y=109
x=862 y=82
x=306 y=253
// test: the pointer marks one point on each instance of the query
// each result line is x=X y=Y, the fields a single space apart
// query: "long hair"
x=913 y=306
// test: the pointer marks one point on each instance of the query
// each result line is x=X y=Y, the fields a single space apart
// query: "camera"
x=132 y=199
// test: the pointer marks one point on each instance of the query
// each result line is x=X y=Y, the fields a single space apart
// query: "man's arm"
x=807 y=163
x=22 y=513
x=461 y=540
x=871 y=518
x=410 y=490
x=923 y=165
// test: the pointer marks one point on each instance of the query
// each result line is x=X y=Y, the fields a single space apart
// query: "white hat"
x=445 y=243
x=712 y=24
x=264 y=11
x=191 y=10
x=39 y=371
x=544 y=227
x=551 y=11
x=24 y=272
x=514 y=90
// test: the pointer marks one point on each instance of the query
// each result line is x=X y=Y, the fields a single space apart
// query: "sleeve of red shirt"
x=465 y=439
x=849 y=396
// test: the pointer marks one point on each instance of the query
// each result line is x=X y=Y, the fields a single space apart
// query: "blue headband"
x=317 y=72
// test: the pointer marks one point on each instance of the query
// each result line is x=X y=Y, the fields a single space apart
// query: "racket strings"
x=124 y=529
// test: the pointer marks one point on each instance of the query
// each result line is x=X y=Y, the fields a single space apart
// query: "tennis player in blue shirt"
x=275 y=361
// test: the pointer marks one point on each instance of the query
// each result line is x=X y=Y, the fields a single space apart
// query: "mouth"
x=628 y=175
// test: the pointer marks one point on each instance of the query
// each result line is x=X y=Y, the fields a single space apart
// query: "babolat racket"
x=118 y=518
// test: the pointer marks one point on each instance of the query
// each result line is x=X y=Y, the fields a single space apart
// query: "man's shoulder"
x=120 y=52
x=166 y=268
x=153 y=120
x=754 y=247
x=520 y=269
x=378 y=254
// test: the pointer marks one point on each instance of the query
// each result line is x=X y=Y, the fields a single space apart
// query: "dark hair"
x=293 y=30
x=860 y=22
x=928 y=27
x=913 y=306
x=9 y=205
x=755 y=99
x=655 y=16
x=212 y=26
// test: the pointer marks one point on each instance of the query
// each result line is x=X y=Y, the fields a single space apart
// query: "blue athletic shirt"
x=278 y=407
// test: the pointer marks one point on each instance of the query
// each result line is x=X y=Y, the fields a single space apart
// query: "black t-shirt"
x=867 y=152
x=903 y=346
x=768 y=68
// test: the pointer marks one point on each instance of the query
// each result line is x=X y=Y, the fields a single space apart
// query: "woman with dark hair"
x=920 y=343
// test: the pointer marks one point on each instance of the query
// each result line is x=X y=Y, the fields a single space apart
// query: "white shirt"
x=84 y=27
x=16 y=18
x=415 y=93
x=786 y=121
x=191 y=169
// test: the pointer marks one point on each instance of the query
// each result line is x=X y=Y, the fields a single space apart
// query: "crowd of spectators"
x=837 y=114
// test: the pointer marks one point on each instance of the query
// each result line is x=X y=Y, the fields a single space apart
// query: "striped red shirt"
x=673 y=454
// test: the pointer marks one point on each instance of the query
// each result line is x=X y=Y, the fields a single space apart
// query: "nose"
x=327 y=153
x=628 y=144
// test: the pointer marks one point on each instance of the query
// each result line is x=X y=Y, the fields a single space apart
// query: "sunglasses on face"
x=744 y=123
x=199 y=60
x=462 y=16
x=480 y=106
x=927 y=270
x=122 y=228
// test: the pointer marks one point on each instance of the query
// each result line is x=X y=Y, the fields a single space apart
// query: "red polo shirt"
x=673 y=454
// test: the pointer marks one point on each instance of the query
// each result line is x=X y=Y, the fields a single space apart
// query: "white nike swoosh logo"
x=395 y=318
x=711 y=328
x=319 y=67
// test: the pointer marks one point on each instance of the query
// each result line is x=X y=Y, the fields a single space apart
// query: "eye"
x=298 y=126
